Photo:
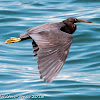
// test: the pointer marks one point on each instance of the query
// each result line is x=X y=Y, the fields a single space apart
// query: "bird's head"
x=70 y=26
x=73 y=20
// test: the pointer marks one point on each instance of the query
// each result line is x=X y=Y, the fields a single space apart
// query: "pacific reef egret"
x=51 y=43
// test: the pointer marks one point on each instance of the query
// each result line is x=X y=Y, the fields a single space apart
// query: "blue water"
x=79 y=78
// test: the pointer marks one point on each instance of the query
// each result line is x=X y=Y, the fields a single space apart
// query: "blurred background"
x=79 y=78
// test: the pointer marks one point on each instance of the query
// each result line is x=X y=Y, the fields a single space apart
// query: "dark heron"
x=51 y=43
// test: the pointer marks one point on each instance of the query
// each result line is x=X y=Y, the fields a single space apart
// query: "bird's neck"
x=69 y=28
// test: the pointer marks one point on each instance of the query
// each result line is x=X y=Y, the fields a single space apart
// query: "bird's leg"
x=12 y=40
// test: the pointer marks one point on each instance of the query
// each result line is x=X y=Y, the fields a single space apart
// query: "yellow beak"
x=12 y=40
x=84 y=21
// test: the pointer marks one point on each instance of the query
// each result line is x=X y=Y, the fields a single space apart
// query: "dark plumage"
x=51 y=43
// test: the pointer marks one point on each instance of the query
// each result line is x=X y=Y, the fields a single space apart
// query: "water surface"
x=79 y=78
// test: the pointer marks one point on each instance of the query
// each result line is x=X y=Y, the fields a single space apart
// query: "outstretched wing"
x=53 y=47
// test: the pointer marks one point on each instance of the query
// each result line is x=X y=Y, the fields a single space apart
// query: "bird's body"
x=51 y=43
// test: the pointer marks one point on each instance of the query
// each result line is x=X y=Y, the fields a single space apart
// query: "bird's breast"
x=69 y=29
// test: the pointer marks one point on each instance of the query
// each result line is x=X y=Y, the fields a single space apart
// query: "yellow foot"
x=12 y=40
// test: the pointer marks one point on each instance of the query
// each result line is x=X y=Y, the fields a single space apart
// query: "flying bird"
x=51 y=43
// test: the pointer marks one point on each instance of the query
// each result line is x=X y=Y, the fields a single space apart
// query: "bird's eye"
x=75 y=20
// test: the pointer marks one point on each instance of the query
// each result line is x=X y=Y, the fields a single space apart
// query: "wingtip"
x=48 y=80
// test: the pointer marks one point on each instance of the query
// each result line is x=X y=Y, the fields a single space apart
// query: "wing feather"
x=53 y=50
